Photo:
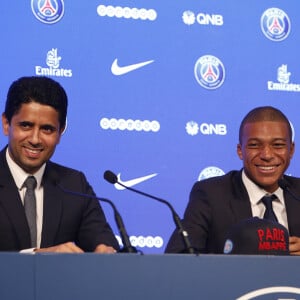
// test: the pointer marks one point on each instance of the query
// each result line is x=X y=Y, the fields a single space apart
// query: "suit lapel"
x=11 y=204
x=292 y=209
x=240 y=202
x=52 y=210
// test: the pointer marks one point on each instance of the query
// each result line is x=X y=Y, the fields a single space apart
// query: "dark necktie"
x=30 y=208
x=269 y=213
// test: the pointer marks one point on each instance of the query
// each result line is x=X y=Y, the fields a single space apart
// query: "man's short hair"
x=40 y=89
x=264 y=113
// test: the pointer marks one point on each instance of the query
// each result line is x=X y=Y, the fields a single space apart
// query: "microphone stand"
x=112 y=178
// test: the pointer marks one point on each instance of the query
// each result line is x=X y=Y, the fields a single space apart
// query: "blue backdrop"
x=155 y=88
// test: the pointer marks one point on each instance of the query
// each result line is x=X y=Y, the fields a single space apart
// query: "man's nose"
x=34 y=136
x=266 y=152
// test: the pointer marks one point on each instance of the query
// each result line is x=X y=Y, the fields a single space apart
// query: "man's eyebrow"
x=273 y=139
x=48 y=126
x=25 y=123
x=44 y=126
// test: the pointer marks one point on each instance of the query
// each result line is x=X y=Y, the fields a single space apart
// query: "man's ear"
x=5 y=125
x=239 y=151
x=61 y=132
x=292 y=150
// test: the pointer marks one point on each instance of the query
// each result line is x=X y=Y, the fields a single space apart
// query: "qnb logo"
x=283 y=84
x=209 y=72
x=193 y=128
x=275 y=24
x=122 y=124
x=48 y=11
x=53 y=63
x=278 y=292
x=209 y=172
x=127 y=12
x=190 y=18
x=143 y=241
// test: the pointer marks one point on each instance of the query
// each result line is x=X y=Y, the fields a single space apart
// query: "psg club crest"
x=275 y=24
x=209 y=72
x=48 y=11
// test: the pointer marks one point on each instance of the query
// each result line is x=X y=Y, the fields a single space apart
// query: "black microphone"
x=112 y=178
x=286 y=187
x=127 y=247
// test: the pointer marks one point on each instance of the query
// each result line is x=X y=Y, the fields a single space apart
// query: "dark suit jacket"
x=218 y=203
x=65 y=217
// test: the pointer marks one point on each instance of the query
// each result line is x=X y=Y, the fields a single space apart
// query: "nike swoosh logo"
x=117 y=70
x=132 y=182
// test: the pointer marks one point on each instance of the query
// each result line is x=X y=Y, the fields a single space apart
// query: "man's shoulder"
x=293 y=182
x=229 y=183
x=61 y=168
x=58 y=173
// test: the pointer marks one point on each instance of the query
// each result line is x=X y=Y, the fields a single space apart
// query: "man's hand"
x=68 y=247
x=294 y=245
x=104 y=249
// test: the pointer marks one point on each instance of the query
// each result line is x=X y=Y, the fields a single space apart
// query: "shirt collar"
x=256 y=193
x=20 y=175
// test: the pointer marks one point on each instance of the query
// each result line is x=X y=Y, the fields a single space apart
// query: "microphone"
x=286 y=187
x=112 y=178
x=127 y=247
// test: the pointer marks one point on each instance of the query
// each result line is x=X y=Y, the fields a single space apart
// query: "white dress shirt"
x=258 y=208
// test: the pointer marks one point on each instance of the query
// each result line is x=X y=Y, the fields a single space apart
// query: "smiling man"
x=216 y=204
x=36 y=214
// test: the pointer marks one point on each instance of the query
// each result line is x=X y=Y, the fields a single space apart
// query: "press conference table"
x=134 y=276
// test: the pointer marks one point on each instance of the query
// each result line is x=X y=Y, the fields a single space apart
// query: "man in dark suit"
x=34 y=120
x=216 y=204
